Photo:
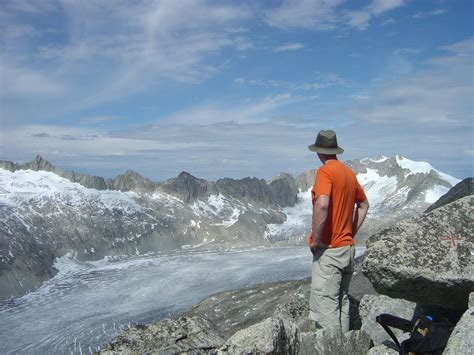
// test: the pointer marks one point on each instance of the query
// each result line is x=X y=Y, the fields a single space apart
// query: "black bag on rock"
x=426 y=335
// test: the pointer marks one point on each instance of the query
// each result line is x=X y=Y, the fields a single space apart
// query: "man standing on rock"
x=339 y=209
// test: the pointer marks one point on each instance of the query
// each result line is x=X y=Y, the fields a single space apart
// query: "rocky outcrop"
x=331 y=340
x=281 y=190
x=306 y=180
x=462 y=337
x=169 y=336
x=131 y=181
x=268 y=337
x=187 y=187
x=284 y=190
x=460 y=190
x=426 y=259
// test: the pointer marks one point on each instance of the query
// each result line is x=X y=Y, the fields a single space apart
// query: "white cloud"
x=18 y=81
x=379 y=6
x=112 y=50
x=246 y=138
x=360 y=19
x=326 y=14
x=288 y=47
x=435 y=12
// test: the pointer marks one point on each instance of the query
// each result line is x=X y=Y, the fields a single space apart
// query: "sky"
x=235 y=88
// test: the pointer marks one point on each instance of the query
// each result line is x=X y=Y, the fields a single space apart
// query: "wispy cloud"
x=438 y=94
x=322 y=81
x=288 y=47
x=435 y=12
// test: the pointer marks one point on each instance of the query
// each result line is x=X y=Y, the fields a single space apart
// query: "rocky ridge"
x=46 y=212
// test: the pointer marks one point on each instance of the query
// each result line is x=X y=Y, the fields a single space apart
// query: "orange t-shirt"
x=339 y=182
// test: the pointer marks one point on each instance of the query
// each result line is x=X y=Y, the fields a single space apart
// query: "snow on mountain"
x=25 y=188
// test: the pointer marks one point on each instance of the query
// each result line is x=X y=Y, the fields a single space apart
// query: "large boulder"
x=426 y=259
x=169 y=336
x=331 y=340
x=462 y=337
x=267 y=337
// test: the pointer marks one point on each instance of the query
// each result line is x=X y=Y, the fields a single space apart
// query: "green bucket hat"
x=326 y=143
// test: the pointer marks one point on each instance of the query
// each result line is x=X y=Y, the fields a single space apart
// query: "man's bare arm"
x=320 y=213
x=359 y=216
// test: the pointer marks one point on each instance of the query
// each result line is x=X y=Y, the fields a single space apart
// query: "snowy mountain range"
x=46 y=212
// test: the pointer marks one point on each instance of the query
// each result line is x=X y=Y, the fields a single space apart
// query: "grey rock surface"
x=331 y=340
x=373 y=305
x=382 y=350
x=416 y=259
x=231 y=311
x=187 y=187
x=358 y=342
x=169 y=336
x=267 y=337
x=284 y=190
x=324 y=341
x=461 y=340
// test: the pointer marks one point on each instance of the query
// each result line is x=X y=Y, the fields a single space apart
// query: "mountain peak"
x=185 y=175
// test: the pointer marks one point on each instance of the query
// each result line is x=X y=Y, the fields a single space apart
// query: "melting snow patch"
x=232 y=220
x=380 y=159
x=432 y=195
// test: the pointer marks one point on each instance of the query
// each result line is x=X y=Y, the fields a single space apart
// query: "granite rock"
x=169 y=336
x=426 y=259
x=267 y=337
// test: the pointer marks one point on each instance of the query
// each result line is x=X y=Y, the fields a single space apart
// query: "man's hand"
x=314 y=246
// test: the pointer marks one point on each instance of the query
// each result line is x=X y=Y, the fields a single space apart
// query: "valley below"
x=84 y=258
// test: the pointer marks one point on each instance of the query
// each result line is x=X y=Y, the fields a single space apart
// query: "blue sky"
x=235 y=88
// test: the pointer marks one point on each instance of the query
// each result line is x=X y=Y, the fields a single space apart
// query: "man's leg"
x=344 y=302
x=325 y=284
